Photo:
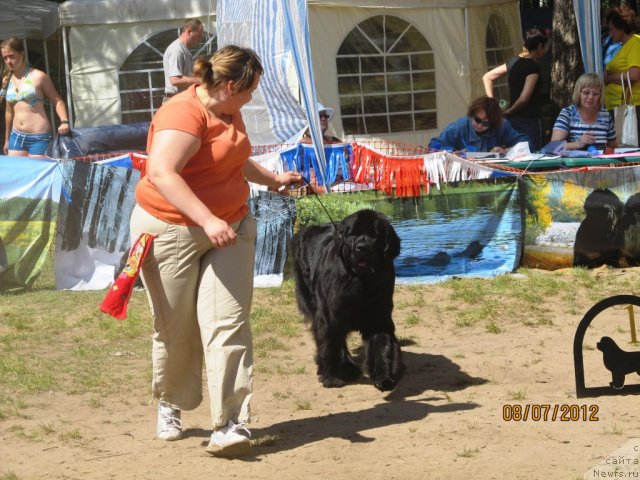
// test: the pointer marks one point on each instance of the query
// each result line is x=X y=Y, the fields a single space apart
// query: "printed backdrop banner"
x=275 y=215
x=93 y=235
x=29 y=193
x=583 y=218
x=465 y=229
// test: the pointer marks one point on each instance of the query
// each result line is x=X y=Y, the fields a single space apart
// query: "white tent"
x=28 y=19
x=102 y=34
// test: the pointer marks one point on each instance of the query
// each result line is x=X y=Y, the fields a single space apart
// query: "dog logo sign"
x=617 y=361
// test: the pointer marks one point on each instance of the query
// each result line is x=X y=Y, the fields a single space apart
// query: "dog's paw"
x=331 y=382
x=385 y=384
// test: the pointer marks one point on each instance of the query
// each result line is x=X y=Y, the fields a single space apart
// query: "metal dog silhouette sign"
x=617 y=361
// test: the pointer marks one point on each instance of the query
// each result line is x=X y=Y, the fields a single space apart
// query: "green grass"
x=518 y=395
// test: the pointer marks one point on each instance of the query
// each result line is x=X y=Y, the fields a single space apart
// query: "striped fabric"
x=588 y=20
x=278 y=31
x=569 y=121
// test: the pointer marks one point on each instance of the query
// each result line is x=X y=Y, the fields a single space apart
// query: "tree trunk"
x=567 y=63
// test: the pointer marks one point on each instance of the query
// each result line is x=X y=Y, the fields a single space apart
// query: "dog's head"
x=606 y=344
x=632 y=208
x=368 y=241
x=603 y=204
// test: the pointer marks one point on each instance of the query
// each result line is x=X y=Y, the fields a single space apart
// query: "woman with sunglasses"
x=585 y=123
x=482 y=130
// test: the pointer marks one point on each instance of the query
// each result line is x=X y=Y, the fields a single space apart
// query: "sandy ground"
x=444 y=421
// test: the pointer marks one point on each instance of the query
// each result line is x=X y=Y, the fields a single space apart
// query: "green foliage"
x=310 y=211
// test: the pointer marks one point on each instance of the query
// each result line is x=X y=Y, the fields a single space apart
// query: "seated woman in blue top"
x=482 y=130
x=586 y=122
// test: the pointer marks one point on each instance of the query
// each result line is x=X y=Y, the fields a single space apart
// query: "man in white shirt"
x=177 y=61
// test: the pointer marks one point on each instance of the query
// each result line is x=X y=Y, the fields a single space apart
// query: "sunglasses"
x=324 y=115
x=479 y=121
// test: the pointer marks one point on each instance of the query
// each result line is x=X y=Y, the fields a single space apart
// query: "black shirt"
x=518 y=69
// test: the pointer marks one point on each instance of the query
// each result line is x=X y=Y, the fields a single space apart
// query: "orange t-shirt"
x=214 y=173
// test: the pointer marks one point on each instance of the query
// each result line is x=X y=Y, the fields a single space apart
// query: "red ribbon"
x=117 y=298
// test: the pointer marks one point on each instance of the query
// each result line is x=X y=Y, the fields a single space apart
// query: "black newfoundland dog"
x=598 y=239
x=344 y=282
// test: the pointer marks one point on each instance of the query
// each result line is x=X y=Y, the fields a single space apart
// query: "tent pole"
x=46 y=67
x=466 y=36
x=25 y=46
x=67 y=75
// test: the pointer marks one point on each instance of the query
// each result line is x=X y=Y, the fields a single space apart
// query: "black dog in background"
x=344 y=282
x=598 y=239
x=630 y=231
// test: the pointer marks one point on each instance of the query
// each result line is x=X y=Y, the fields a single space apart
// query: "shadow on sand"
x=424 y=373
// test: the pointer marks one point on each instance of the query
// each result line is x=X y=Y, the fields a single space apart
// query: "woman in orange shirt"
x=199 y=272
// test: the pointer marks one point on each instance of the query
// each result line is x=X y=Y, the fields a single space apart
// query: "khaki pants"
x=200 y=298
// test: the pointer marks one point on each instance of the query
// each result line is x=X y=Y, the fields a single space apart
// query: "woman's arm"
x=54 y=97
x=170 y=152
x=585 y=139
x=491 y=76
x=256 y=173
x=634 y=75
x=529 y=85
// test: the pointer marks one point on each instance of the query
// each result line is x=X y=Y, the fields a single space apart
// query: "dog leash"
x=335 y=227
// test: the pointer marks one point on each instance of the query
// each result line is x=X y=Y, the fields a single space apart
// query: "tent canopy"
x=99 y=12
x=407 y=3
x=31 y=19
x=91 y=12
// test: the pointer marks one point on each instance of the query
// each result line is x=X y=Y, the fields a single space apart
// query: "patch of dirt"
x=443 y=421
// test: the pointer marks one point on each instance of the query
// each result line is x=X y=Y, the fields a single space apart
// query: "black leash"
x=335 y=227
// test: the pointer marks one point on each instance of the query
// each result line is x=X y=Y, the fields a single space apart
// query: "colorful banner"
x=29 y=193
x=275 y=215
x=93 y=235
x=465 y=229
x=468 y=229
x=583 y=218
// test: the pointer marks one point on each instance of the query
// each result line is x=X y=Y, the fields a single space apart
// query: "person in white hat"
x=326 y=114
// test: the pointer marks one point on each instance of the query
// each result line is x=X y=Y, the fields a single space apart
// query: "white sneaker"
x=230 y=441
x=169 y=423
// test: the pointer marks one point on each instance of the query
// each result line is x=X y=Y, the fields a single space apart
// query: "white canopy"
x=31 y=19
x=407 y=3
x=100 y=12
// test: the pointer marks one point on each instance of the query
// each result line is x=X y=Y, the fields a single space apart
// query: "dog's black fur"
x=344 y=282
x=617 y=361
x=630 y=231
x=598 y=239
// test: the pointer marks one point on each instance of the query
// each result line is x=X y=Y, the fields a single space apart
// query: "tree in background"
x=566 y=64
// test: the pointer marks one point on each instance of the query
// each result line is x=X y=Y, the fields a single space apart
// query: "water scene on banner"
x=473 y=233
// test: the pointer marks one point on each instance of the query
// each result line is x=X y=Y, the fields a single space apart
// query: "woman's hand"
x=5 y=147
x=287 y=178
x=219 y=232
x=500 y=150
x=64 y=129
x=587 y=139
